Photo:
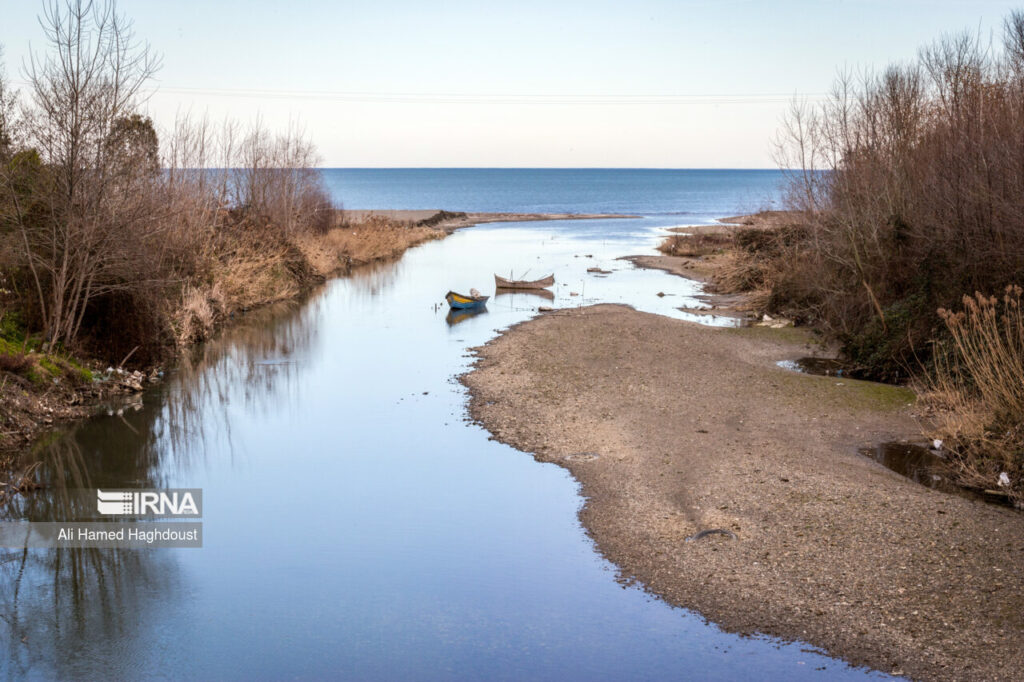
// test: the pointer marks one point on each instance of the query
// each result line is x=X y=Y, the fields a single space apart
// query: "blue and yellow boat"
x=462 y=301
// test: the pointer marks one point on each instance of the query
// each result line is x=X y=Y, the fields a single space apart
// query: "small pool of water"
x=913 y=461
x=829 y=367
x=927 y=467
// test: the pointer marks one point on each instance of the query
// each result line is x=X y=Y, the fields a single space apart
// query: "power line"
x=477 y=98
x=463 y=98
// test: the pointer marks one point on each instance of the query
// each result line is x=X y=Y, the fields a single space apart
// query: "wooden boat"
x=541 y=283
x=462 y=301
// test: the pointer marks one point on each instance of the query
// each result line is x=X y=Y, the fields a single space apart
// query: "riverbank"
x=254 y=266
x=673 y=428
x=710 y=254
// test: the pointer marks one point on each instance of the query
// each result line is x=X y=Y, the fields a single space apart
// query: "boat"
x=462 y=301
x=541 y=283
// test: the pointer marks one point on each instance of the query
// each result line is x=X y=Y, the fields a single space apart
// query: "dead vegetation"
x=695 y=245
x=908 y=192
x=115 y=237
x=977 y=392
x=375 y=239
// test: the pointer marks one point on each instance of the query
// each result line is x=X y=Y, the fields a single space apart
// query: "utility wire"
x=464 y=98
x=458 y=98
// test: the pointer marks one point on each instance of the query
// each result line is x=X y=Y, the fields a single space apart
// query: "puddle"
x=829 y=367
x=926 y=467
x=915 y=462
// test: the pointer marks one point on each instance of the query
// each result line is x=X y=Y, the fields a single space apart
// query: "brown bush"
x=912 y=184
x=14 y=362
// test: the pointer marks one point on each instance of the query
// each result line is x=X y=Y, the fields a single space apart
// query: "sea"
x=694 y=195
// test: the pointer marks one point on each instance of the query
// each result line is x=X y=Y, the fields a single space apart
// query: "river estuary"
x=355 y=524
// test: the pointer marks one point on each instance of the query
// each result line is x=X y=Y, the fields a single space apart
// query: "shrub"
x=16 y=363
x=978 y=391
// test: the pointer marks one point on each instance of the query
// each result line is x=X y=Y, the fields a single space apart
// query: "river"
x=356 y=525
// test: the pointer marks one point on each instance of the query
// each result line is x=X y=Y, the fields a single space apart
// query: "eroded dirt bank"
x=673 y=428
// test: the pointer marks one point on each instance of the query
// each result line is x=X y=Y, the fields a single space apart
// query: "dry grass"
x=978 y=392
x=373 y=240
x=695 y=245
x=760 y=262
x=198 y=314
x=250 y=265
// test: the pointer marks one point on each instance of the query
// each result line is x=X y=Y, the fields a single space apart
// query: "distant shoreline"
x=454 y=220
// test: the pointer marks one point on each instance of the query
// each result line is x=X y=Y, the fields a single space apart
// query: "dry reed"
x=978 y=392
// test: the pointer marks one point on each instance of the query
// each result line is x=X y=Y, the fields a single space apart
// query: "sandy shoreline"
x=696 y=428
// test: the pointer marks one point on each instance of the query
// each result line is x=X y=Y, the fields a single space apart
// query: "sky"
x=631 y=83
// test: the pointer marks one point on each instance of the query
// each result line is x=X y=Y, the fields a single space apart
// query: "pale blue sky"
x=570 y=84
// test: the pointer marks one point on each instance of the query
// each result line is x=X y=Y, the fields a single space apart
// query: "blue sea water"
x=695 y=194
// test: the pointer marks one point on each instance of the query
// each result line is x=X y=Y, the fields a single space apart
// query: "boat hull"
x=461 y=301
x=541 y=283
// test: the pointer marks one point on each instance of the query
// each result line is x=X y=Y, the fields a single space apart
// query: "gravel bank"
x=672 y=428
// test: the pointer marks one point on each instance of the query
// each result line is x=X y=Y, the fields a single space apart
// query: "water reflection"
x=257 y=364
x=60 y=605
x=456 y=315
x=55 y=604
x=525 y=295
x=370 y=280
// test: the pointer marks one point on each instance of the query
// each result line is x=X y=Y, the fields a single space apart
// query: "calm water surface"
x=697 y=194
x=355 y=525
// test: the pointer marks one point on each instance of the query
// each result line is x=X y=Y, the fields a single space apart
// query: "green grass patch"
x=873 y=395
x=9 y=347
x=11 y=327
x=83 y=373
x=47 y=363
x=43 y=366
x=36 y=375
x=843 y=393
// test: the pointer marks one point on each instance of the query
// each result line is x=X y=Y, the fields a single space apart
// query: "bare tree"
x=83 y=89
x=7 y=121
x=277 y=179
